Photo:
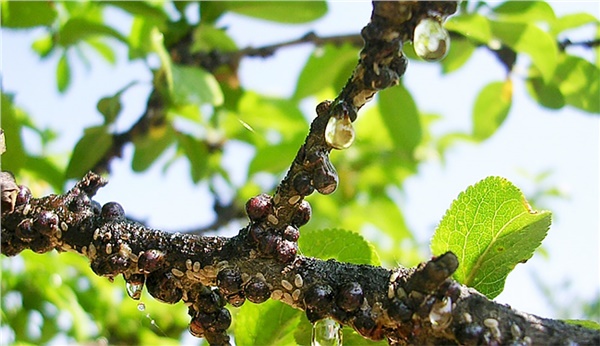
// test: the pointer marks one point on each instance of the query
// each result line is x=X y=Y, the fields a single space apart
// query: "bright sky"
x=533 y=140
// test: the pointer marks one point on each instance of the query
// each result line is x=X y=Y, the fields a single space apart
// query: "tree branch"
x=421 y=305
x=405 y=306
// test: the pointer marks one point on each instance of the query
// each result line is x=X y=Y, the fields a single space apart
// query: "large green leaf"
x=342 y=245
x=27 y=14
x=89 y=149
x=194 y=85
x=293 y=12
x=525 y=11
x=323 y=67
x=269 y=323
x=401 y=118
x=491 y=228
x=491 y=108
x=531 y=40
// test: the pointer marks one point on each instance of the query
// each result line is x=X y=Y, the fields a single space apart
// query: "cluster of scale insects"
x=210 y=318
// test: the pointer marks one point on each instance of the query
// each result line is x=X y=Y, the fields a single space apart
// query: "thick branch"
x=414 y=306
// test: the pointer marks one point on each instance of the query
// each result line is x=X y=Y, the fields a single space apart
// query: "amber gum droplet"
x=339 y=132
x=431 y=41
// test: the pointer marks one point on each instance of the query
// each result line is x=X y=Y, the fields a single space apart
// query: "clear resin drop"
x=326 y=332
x=141 y=307
x=134 y=290
x=431 y=41
x=339 y=132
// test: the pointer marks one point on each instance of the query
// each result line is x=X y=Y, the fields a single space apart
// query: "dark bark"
x=405 y=306
x=421 y=305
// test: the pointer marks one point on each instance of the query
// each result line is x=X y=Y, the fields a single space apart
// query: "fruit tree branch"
x=405 y=306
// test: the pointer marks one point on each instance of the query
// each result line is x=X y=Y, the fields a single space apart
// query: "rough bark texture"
x=421 y=305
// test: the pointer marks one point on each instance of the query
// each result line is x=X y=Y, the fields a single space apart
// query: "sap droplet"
x=431 y=41
x=440 y=315
x=141 y=306
x=339 y=132
x=134 y=290
x=326 y=332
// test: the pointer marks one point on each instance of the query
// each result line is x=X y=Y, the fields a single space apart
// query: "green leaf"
x=579 y=82
x=27 y=14
x=572 y=21
x=78 y=29
x=491 y=228
x=208 y=38
x=45 y=170
x=140 y=38
x=13 y=120
x=89 y=149
x=109 y=107
x=547 y=95
x=491 y=108
x=103 y=49
x=387 y=216
x=151 y=146
x=531 y=40
x=269 y=323
x=458 y=55
x=195 y=85
x=342 y=245
x=210 y=11
x=584 y=323
x=264 y=115
x=525 y=11
x=323 y=67
x=140 y=8
x=43 y=45
x=274 y=158
x=197 y=154
x=401 y=118
x=473 y=26
x=63 y=73
x=293 y=12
